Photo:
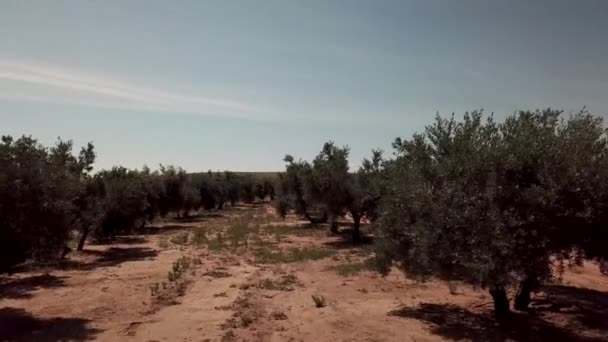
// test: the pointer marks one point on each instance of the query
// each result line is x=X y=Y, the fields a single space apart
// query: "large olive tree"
x=486 y=203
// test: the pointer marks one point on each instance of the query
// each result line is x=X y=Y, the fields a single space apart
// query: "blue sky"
x=238 y=84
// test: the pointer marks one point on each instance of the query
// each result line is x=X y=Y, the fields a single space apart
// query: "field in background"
x=243 y=274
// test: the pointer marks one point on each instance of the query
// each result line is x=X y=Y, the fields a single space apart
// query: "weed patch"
x=266 y=256
x=163 y=244
x=179 y=268
x=319 y=301
x=285 y=283
x=217 y=274
x=199 y=237
x=180 y=239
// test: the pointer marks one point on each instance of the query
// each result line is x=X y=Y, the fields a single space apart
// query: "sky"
x=238 y=84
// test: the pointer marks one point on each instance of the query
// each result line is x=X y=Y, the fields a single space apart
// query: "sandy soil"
x=121 y=292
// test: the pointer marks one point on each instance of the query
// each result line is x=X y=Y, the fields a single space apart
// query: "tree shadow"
x=590 y=307
x=200 y=217
x=455 y=323
x=241 y=205
x=19 y=325
x=345 y=241
x=110 y=257
x=164 y=229
x=21 y=287
x=123 y=239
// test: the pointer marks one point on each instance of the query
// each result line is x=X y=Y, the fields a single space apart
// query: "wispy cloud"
x=38 y=82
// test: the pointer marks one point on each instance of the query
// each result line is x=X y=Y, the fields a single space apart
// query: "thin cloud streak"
x=115 y=93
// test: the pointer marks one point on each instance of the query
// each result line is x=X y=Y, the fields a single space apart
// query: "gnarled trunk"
x=334 y=226
x=523 y=297
x=501 y=302
x=82 y=240
x=356 y=225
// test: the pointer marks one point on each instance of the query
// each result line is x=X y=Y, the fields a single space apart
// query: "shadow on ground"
x=19 y=325
x=455 y=323
x=588 y=307
x=345 y=240
x=22 y=287
x=110 y=257
x=125 y=240
x=200 y=217
x=164 y=229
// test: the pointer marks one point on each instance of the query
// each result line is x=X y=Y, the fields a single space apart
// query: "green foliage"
x=283 y=230
x=319 y=301
x=180 y=239
x=179 y=267
x=41 y=192
x=200 y=237
x=284 y=283
x=493 y=204
x=326 y=186
x=238 y=231
x=217 y=244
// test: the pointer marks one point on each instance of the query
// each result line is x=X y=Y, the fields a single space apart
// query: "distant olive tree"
x=328 y=186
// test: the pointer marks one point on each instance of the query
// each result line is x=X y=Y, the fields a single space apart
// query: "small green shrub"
x=266 y=256
x=217 y=244
x=217 y=274
x=285 y=283
x=199 y=237
x=238 y=231
x=179 y=268
x=278 y=316
x=283 y=230
x=180 y=239
x=319 y=301
x=163 y=244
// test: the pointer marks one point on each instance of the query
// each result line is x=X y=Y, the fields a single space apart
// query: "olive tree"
x=328 y=185
x=485 y=203
x=38 y=191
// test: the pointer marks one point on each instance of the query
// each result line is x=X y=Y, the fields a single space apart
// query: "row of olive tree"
x=48 y=196
x=497 y=205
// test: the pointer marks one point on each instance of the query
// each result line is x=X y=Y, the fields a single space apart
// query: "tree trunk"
x=220 y=206
x=83 y=238
x=65 y=252
x=501 y=302
x=334 y=226
x=522 y=299
x=356 y=224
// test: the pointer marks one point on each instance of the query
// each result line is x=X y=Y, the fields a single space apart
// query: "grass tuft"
x=319 y=301
x=285 y=283
x=180 y=239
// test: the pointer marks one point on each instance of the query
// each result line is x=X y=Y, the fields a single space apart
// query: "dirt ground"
x=245 y=275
